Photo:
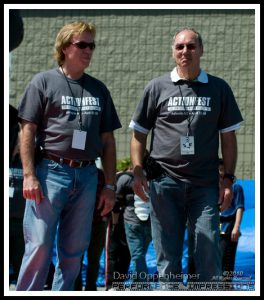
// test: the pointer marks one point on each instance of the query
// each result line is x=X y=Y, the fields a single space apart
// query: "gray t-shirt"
x=55 y=106
x=167 y=107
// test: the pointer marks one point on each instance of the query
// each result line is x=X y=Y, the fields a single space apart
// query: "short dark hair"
x=199 y=37
x=220 y=161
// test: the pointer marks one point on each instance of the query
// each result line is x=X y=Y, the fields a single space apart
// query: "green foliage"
x=123 y=164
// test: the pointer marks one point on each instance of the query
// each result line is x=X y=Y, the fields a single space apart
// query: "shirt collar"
x=203 y=77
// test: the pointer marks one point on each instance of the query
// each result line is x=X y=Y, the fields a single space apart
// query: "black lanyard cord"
x=79 y=109
x=190 y=115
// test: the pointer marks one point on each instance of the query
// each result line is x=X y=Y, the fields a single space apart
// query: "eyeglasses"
x=180 y=47
x=84 y=45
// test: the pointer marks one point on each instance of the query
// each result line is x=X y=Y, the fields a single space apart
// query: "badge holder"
x=79 y=139
x=187 y=145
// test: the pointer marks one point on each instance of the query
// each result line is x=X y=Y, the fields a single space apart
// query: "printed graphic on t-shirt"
x=88 y=105
x=189 y=105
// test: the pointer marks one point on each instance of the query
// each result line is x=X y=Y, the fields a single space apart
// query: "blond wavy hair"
x=65 y=34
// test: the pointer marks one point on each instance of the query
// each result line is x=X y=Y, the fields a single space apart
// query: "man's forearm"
x=229 y=151
x=109 y=158
x=239 y=214
x=137 y=148
x=27 y=148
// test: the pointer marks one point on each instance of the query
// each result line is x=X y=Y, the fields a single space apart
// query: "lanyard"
x=190 y=115
x=80 y=108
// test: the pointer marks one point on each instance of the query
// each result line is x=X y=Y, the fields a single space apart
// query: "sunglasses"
x=180 y=47
x=84 y=45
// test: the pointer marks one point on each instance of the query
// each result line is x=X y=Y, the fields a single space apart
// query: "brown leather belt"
x=70 y=162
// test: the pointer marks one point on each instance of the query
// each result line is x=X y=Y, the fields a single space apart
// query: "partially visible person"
x=186 y=110
x=96 y=246
x=16 y=34
x=16 y=213
x=230 y=221
x=68 y=118
x=137 y=224
x=14 y=128
x=117 y=255
x=16 y=29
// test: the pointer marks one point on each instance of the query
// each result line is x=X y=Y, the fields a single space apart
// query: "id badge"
x=187 y=145
x=11 y=191
x=79 y=139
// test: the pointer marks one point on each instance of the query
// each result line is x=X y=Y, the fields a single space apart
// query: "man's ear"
x=172 y=52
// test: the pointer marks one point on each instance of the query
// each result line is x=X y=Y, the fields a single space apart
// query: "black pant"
x=228 y=250
x=94 y=252
x=118 y=255
x=16 y=246
x=49 y=280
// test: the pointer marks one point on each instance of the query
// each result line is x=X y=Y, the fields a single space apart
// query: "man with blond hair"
x=68 y=118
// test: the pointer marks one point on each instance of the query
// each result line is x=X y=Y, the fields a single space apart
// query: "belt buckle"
x=75 y=163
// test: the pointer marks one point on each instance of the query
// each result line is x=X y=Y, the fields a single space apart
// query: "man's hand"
x=225 y=196
x=32 y=189
x=140 y=185
x=235 y=234
x=107 y=201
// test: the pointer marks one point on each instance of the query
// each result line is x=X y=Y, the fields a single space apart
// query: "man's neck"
x=71 y=73
x=188 y=74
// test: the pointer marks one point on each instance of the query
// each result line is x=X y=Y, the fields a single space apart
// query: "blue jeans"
x=138 y=239
x=68 y=210
x=173 y=202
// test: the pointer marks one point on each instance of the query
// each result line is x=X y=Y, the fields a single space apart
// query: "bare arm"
x=137 y=149
x=235 y=232
x=229 y=153
x=109 y=157
x=31 y=186
x=107 y=198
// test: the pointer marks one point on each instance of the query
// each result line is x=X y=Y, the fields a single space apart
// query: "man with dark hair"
x=186 y=110
x=16 y=34
x=16 y=29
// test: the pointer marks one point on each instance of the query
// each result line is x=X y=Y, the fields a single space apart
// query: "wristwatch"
x=231 y=177
x=110 y=187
